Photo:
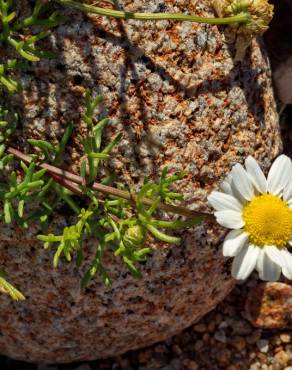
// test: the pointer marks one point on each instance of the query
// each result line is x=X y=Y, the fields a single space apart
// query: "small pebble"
x=241 y=327
x=220 y=336
x=281 y=358
x=174 y=364
x=144 y=357
x=176 y=349
x=199 y=345
x=263 y=345
x=269 y=305
x=276 y=367
x=200 y=328
x=238 y=342
x=192 y=365
x=211 y=326
x=223 y=325
x=278 y=349
x=255 y=366
x=223 y=357
x=285 y=338
x=206 y=337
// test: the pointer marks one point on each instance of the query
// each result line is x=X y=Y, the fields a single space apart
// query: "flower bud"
x=260 y=12
x=134 y=236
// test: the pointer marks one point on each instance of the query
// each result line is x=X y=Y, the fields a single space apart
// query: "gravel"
x=223 y=339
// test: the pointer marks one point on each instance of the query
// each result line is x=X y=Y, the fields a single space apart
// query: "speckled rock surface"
x=174 y=92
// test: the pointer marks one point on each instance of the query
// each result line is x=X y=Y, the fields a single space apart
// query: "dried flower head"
x=260 y=12
x=134 y=237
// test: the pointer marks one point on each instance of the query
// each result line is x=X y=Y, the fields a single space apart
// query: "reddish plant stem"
x=67 y=184
x=71 y=182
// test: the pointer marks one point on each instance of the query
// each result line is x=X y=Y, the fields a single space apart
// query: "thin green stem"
x=239 y=18
x=175 y=224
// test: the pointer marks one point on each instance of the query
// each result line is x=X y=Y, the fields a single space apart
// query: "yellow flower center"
x=268 y=220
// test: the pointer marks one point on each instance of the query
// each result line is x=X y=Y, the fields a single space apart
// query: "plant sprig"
x=7 y=288
x=13 y=34
x=124 y=221
x=92 y=142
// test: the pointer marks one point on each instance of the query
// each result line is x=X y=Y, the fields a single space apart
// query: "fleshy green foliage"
x=72 y=237
x=92 y=143
x=119 y=226
x=5 y=80
x=7 y=288
x=115 y=223
x=17 y=193
x=14 y=34
x=125 y=225
x=33 y=186
x=8 y=124
x=51 y=194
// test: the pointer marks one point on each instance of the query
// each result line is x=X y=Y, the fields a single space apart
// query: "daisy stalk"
x=258 y=210
x=242 y=17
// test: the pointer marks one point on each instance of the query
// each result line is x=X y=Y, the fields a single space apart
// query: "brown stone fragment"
x=281 y=358
x=238 y=343
x=285 y=338
x=269 y=305
x=192 y=365
x=223 y=357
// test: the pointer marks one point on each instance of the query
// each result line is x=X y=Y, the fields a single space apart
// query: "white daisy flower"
x=259 y=212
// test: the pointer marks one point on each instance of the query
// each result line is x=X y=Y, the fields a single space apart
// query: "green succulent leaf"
x=7 y=288
x=13 y=34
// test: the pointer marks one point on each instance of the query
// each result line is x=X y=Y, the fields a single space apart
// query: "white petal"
x=267 y=269
x=245 y=262
x=229 y=219
x=221 y=201
x=276 y=255
x=260 y=261
x=233 y=242
x=242 y=181
x=226 y=187
x=237 y=194
x=257 y=176
x=283 y=258
x=279 y=174
x=287 y=194
x=287 y=269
